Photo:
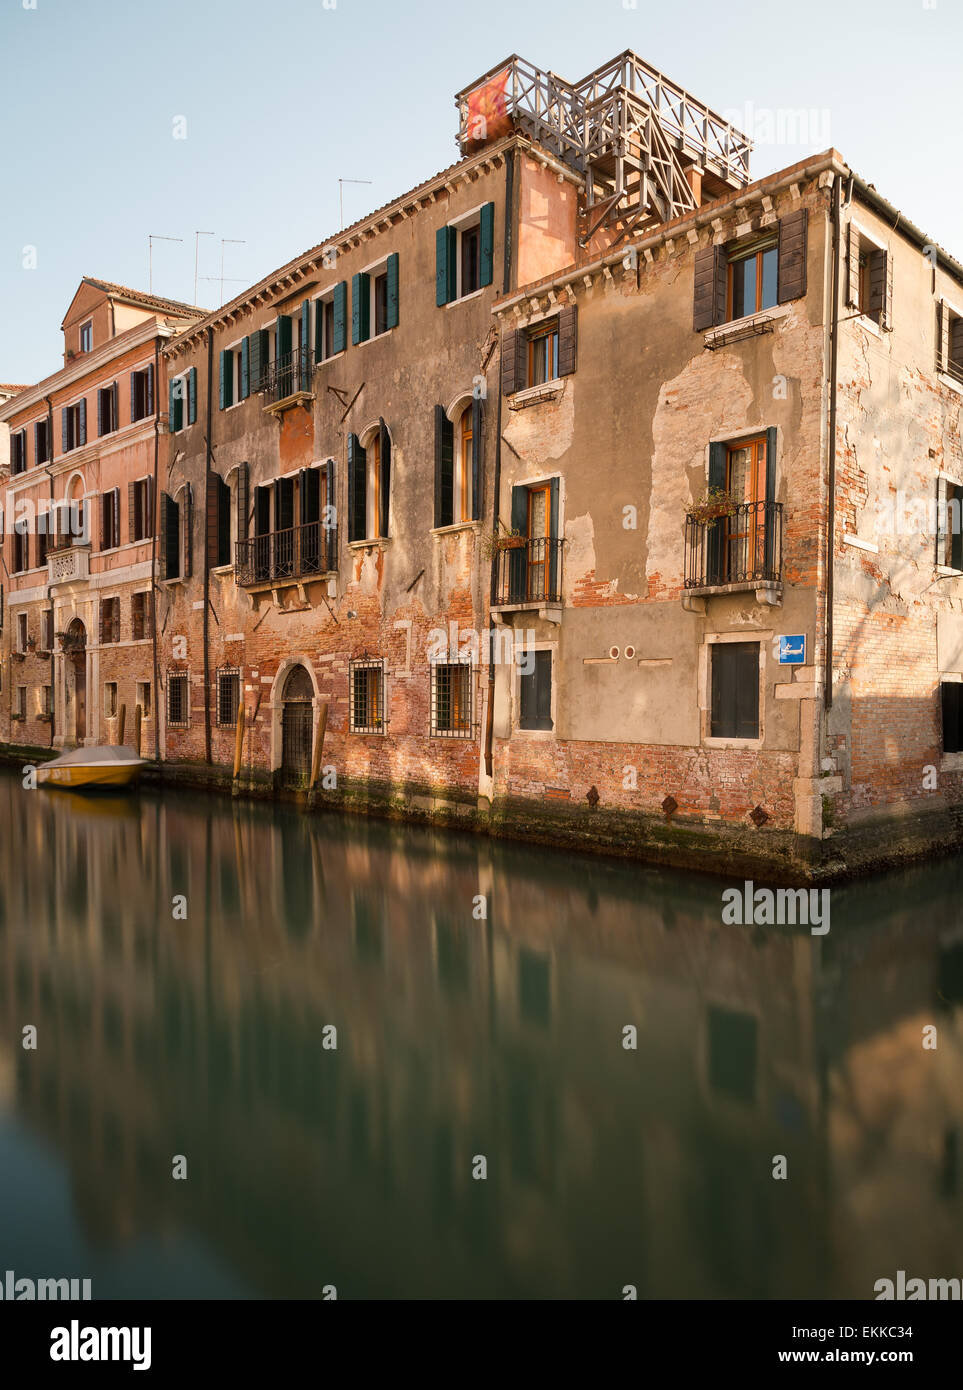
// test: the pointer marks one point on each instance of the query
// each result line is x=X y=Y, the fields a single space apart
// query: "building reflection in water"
x=460 y=1037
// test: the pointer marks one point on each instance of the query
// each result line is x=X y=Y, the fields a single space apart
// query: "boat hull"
x=89 y=777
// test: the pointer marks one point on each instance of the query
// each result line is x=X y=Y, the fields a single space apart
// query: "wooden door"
x=80 y=695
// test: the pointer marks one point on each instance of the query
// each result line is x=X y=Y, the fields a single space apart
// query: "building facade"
x=572 y=495
x=78 y=648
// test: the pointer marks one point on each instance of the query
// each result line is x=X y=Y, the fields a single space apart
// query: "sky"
x=123 y=119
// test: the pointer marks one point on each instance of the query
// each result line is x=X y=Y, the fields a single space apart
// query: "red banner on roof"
x=488 y=117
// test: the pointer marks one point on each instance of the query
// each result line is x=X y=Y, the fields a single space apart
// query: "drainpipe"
x=831 y=511
x=208 y=452
x=155 y=525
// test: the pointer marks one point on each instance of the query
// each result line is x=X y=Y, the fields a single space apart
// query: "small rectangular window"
x=380 y=297
x=735 y=690
x=20 y=708
x=139 y=502
x=543 y=353
x=753 y=280
x=451 y=700
x=109 y=620
x=106 y=410
x=46 y=701
x=110 y=699
x=42 y=440
x=535 y=691
x=951 y=700
x=21 y=632
x=470 y=263
x=141 y=393
x=141 y=614
x=46 y=631
x=86 y=336
x=228 y=697
x=178 y=706
x=110 y=519
x=367 y=697
x=143 y=698
x=18 y=451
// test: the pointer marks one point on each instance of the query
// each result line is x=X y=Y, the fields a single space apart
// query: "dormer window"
x=86 y=336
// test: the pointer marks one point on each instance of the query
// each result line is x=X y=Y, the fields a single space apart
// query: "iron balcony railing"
x=529 y=573
x=743 y=548
x=286 y=375
x=296 y=553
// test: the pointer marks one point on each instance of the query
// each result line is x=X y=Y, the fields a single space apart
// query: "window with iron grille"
x=141 y=616
x=451 y=699
x=367 y=686
x=228 y=696
x=109 y=620
x=178 y=700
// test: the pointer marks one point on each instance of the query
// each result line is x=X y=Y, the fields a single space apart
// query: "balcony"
x=68 y=564
x=735 y=554
x=289 y=376
x=286 y=557
x=529 y=576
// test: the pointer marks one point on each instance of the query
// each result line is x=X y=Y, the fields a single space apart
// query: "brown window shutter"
x=852 y=284
x=709 y=296
x=567 y=339
x=104 y=520
x=793 y=231
x=880 y=287
x=954 y=363
x=886 y=319
x=149 y=508
x=242 y=501
x=521 y=361
x=103 y=619
x=115 y=514
x=211 y=513
x=508 y=362
x=131 y=511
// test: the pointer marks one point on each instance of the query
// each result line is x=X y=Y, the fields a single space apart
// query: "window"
x=141 y=616
x=228 y=696
x=109 y=620
x=143 y=698
x=457 y=465
x=20 y=704
x=178 y=708
x=949 y=524
x=46 y=701
x=46 y=631
x=870 y=279
x=752 y=280
x=541 y=353
x=21 y=548
x=949 y=350
x=734 y=696
x=369 y=484
x=531 y=572
x=18 y=451
x=86 y=336
x=374 y=300
x=139 y=517
x=464 y=255
x=21 y=632
x=42 y=537
x=110 y=699
x=41 y=440
x=367 y=688
x=732 y=282
x=330 y=323
x=170 y=537
x=219 y=521
x=110 y=519
x=142 y=393
x=107 y=416
x=951 y=700
x=182 y=398
x=451 y=702
x=535 y=691
x=73 y=426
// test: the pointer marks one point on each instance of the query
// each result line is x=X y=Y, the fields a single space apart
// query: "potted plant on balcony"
x=717 y=502
x=504 y=539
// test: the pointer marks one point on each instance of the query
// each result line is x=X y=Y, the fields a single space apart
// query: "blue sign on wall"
x=792 y=650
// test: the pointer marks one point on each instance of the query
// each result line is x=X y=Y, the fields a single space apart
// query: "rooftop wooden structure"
x=636 y=138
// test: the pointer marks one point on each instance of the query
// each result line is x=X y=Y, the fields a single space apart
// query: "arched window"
x=369 y=483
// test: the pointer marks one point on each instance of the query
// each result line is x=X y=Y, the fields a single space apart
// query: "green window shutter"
x=477 y=455
x=384 y=491
x=318 y=329
x=444 y=467
x=487 y=244
x=192 y=396
x=242 y=500
x=360 y=308
x=340 y=317
x=305 y=344
x=940 y=520
x=83 y=420
x=245 y=351
x=330 y=518
x=518 y=558
x=226 y=396
x=553 y=489
x=283 y=340
x=769 y=517
x=718 y=456
x=441 y=266
x=64 y=431
x=392 y=318
x=177 y=405
x=357 y=490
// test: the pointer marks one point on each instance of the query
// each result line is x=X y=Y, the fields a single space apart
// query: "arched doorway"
x=75 y=658
x=296 y=707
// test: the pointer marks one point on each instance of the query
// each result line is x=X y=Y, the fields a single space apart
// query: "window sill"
x=534 y=395
x=333 y=357
x=464 y=298
x=948 y=572
x=376 y=337
x=376 y=543
x=951 y=762
x=222 y=570
x=746 y=327
x=367 y=733
x=869 y=324
x=537 y=735
x=950 y=382
x=456 y=526
x=732 y=743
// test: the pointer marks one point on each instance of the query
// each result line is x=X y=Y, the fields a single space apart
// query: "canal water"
x=184 y=962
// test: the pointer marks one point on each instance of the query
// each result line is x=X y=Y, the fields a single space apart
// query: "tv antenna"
x=197 y=243
x=341 y=184
x=150 y=257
